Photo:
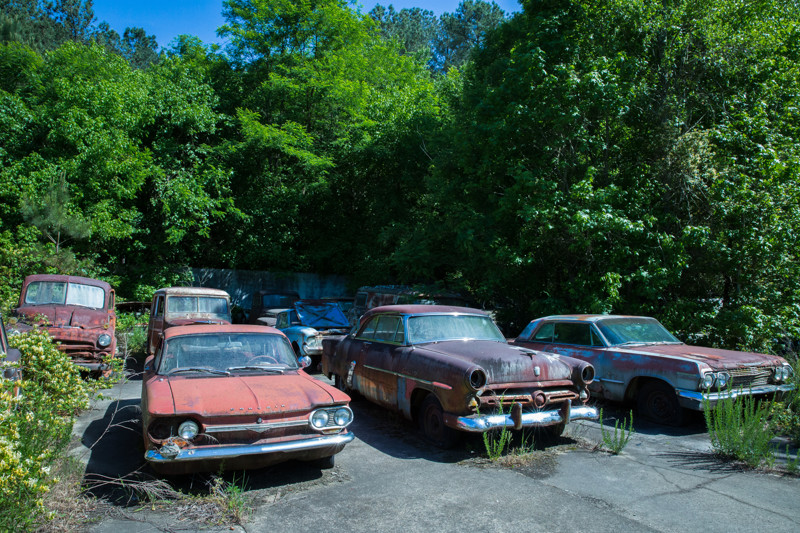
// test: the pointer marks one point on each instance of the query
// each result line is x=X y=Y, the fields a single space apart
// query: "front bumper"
x=481 y=423
x=332 y=443
x=695 y=399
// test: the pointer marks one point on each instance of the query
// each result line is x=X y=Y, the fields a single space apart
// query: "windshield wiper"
x=200 y=369
x=256 y=367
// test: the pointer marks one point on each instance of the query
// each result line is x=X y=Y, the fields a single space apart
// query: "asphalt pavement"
x=389 y=479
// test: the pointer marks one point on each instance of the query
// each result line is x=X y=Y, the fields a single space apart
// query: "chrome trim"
x=406 y=376
x=260 y=428
x=609 y=380
x=481 y=423
x=231 y=451
x=696 y=398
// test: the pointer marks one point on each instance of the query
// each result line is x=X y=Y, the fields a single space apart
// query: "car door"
x=373 y=350
x=156 y=325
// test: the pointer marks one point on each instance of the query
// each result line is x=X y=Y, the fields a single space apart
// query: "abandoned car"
x=235 y=396
x=266 y=301
x=450 y=369
x=308 y=322
x=77 y=312
x=374 y=296
x=181 y=306
x=637 y=359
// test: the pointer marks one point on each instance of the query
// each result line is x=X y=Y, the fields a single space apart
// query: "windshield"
x=209 y=305
x=225 y=352
x=635 y=330
x=62 y=293
x=430 y=328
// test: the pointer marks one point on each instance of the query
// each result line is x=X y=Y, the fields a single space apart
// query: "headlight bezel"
x=335 y=417
x=104 y=340
x=192 y=427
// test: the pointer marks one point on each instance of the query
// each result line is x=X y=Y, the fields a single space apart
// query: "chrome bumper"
x=213 y=452
x=482 y=423
x=695 y=399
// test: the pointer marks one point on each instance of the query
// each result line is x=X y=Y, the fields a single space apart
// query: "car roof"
x=196 y=329
x=193 y=291
x=416 y=309
x=587 y=318
x=68 y=279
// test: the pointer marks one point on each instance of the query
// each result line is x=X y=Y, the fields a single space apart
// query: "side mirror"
x=305 y=361
x=149 y=364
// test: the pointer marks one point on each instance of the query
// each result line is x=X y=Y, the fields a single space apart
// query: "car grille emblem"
x=537 y=370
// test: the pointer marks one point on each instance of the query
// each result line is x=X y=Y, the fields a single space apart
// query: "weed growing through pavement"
x=740 y=429
x=617 y=441
x=496 y=441
x=792 y=465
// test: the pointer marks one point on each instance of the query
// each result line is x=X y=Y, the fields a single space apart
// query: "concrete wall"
x=241 y=284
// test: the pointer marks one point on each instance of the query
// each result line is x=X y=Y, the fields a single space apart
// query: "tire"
x=431 y=421
x=658 y=402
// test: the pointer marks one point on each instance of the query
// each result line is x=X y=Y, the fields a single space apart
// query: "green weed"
x=616 y=442
x=740 y=429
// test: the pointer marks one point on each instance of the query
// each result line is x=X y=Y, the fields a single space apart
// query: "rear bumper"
x=325 y=445
x=482 y=423
x=696 y=399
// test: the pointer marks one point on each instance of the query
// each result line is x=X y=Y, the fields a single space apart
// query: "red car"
x=78 y=313
x=236 y=397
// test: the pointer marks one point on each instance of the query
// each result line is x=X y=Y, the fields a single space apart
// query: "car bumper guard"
x=482 y=423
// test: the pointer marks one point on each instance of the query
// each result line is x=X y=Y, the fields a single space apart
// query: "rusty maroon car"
x=450 y=369
x=235 y=397
x=637 y=359
x=78 y=313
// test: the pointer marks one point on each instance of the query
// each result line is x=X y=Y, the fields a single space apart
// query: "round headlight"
x=779 y=373
x=342 y=416
x=104 y=340
x=188 y=430
x=587 y=374
x=722 y=380
x=477 y=378
x=319 y=419
x=707 y=381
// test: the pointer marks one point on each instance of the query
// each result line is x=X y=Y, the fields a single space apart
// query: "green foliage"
x=740 y=429
x=617 y=441
x=35 y=426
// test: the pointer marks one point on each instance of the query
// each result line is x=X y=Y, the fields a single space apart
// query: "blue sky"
x=167 y=19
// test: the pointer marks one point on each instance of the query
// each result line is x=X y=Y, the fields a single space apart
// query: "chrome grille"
x=749 y=376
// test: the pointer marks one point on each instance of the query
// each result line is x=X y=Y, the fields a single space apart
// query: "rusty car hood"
x=67 y=315
x=503 y=363
x=717 y=359
x=211 y=396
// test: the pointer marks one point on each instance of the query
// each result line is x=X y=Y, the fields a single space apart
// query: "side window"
x=400 y=336
x=159 y=307
x=544 y=333
x=596 y=341
x=387 y=328
x=573 y=333
x=527 y=331
x=368 y=331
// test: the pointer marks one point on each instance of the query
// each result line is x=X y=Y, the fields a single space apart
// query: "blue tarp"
x=326 y=315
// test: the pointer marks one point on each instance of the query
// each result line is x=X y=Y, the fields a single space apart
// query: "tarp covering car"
x=320 y=314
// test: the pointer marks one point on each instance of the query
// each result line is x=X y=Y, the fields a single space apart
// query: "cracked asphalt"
x=388 y=479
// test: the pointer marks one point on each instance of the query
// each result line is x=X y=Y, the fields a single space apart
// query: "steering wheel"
x=267 y=358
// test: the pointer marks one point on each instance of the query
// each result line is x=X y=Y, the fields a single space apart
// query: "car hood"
x=67 y=315
x=239 y=394
x=503 y=363
x=716 y=358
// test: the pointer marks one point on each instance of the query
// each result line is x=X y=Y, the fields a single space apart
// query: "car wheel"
x=658 y=402
x=431 y=420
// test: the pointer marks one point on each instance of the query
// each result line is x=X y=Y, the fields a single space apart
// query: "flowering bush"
x=35 y=426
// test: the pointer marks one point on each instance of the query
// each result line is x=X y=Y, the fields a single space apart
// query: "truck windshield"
x=62 y=293
x=197 y=304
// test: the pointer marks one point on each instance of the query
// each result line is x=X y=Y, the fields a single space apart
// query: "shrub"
x=617 y=441
x=35 y=426
x=740 y=429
